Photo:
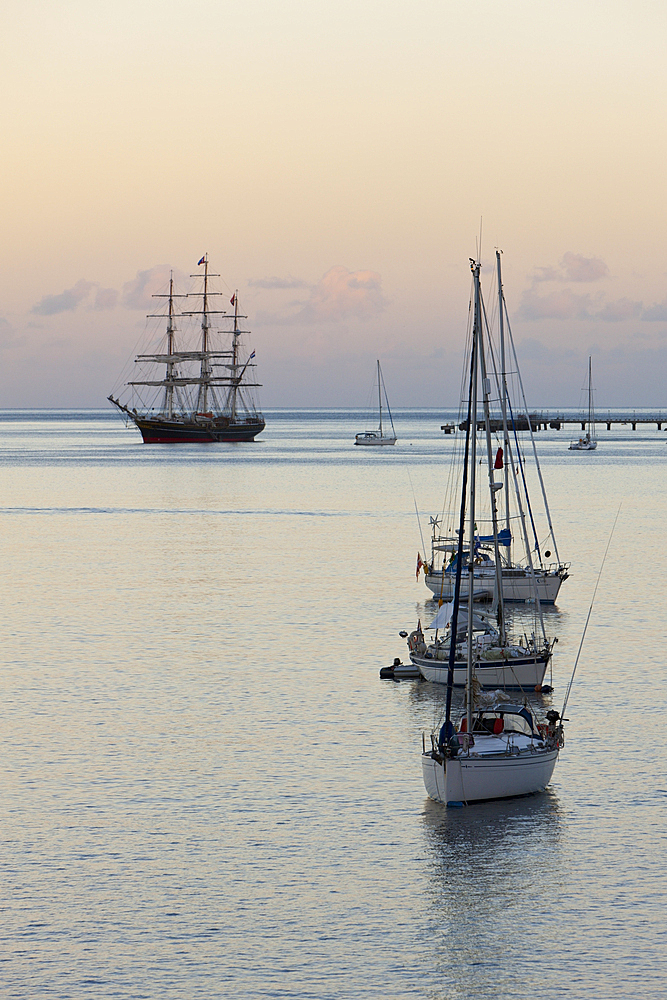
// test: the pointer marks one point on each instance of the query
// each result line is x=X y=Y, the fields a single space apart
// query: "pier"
x=554 y=420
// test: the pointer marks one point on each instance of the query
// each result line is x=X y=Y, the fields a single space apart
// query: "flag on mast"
x=419 y=565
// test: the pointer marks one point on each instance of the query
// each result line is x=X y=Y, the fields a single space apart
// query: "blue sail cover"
x=504 y=537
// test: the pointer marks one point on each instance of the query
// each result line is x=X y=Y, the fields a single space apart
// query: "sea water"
x=208 y=792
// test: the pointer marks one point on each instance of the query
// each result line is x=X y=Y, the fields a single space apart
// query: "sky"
x=339 y=163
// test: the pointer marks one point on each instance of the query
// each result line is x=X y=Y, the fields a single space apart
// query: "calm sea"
x=208 y=792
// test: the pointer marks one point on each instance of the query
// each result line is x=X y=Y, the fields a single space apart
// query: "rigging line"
x=522 y=518
x=588 y=616
x=532 y=436
x=521 y=461
x=414 y=497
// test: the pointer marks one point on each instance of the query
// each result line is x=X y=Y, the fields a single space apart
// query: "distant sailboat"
x=588 y=442
x=381 y=436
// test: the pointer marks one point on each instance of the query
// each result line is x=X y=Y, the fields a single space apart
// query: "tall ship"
x=196 y=386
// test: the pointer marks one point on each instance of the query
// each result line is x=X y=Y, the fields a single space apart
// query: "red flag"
x=419 y=565
x=233 y=299
x=499 y=459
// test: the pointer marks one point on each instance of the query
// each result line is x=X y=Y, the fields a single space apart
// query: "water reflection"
x=495 y=870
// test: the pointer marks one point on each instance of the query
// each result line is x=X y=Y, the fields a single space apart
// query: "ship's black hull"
x=195 y=432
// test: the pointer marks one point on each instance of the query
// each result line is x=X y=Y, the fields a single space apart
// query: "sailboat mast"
x=493 y=489
x=380 y=397
x=454 y=626
x=590 y=399
x=477 y=325
x=503 y=392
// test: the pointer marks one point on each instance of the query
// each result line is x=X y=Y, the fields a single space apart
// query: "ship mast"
x=205 y=371
x=171 y=358
x=235 y=356
x=169 y=389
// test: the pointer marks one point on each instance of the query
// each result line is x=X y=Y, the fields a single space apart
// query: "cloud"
x=278 y=283
x=6 y=333
x=658 y=311
x=614 y=312
x=106 y=298
x=341 y=294
x=573 y=267
x=565 y=304
x=547 y=274
x=138 y=293
x=579 y=268
x=561 y=304
x=66 y=301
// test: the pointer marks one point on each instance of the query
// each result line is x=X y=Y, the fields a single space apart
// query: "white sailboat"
x=499 y=750
x=381 y=436
x=497 y=660
x=496 y=753
x=588 y=441
x=540 y=570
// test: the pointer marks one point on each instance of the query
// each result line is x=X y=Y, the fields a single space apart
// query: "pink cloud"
x=65 y=301
x=106 y=298
x=561 y=304
x=576 y=267
x=614 y=312
x=341 y=294
x=278 y=283
x=658 y=311
x=138 y=293
x=573 y=267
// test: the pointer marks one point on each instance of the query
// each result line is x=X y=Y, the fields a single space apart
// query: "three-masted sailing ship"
x=196 y=392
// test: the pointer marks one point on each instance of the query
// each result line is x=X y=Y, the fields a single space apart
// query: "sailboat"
x=381 y=436
x=541 y=570
x=588 y=442
x=497 y=660
x=499 y=750
x=195 y=389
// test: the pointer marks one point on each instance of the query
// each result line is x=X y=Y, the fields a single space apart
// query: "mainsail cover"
x=443 y=616
x=504 y=537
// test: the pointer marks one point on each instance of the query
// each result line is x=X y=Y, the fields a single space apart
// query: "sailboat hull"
x=374 y=439
x=517 y=586
x=525 y=673
x=478 y=778
x=195 y=432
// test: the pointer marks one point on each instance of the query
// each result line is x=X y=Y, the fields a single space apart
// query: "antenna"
x=588 y=616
